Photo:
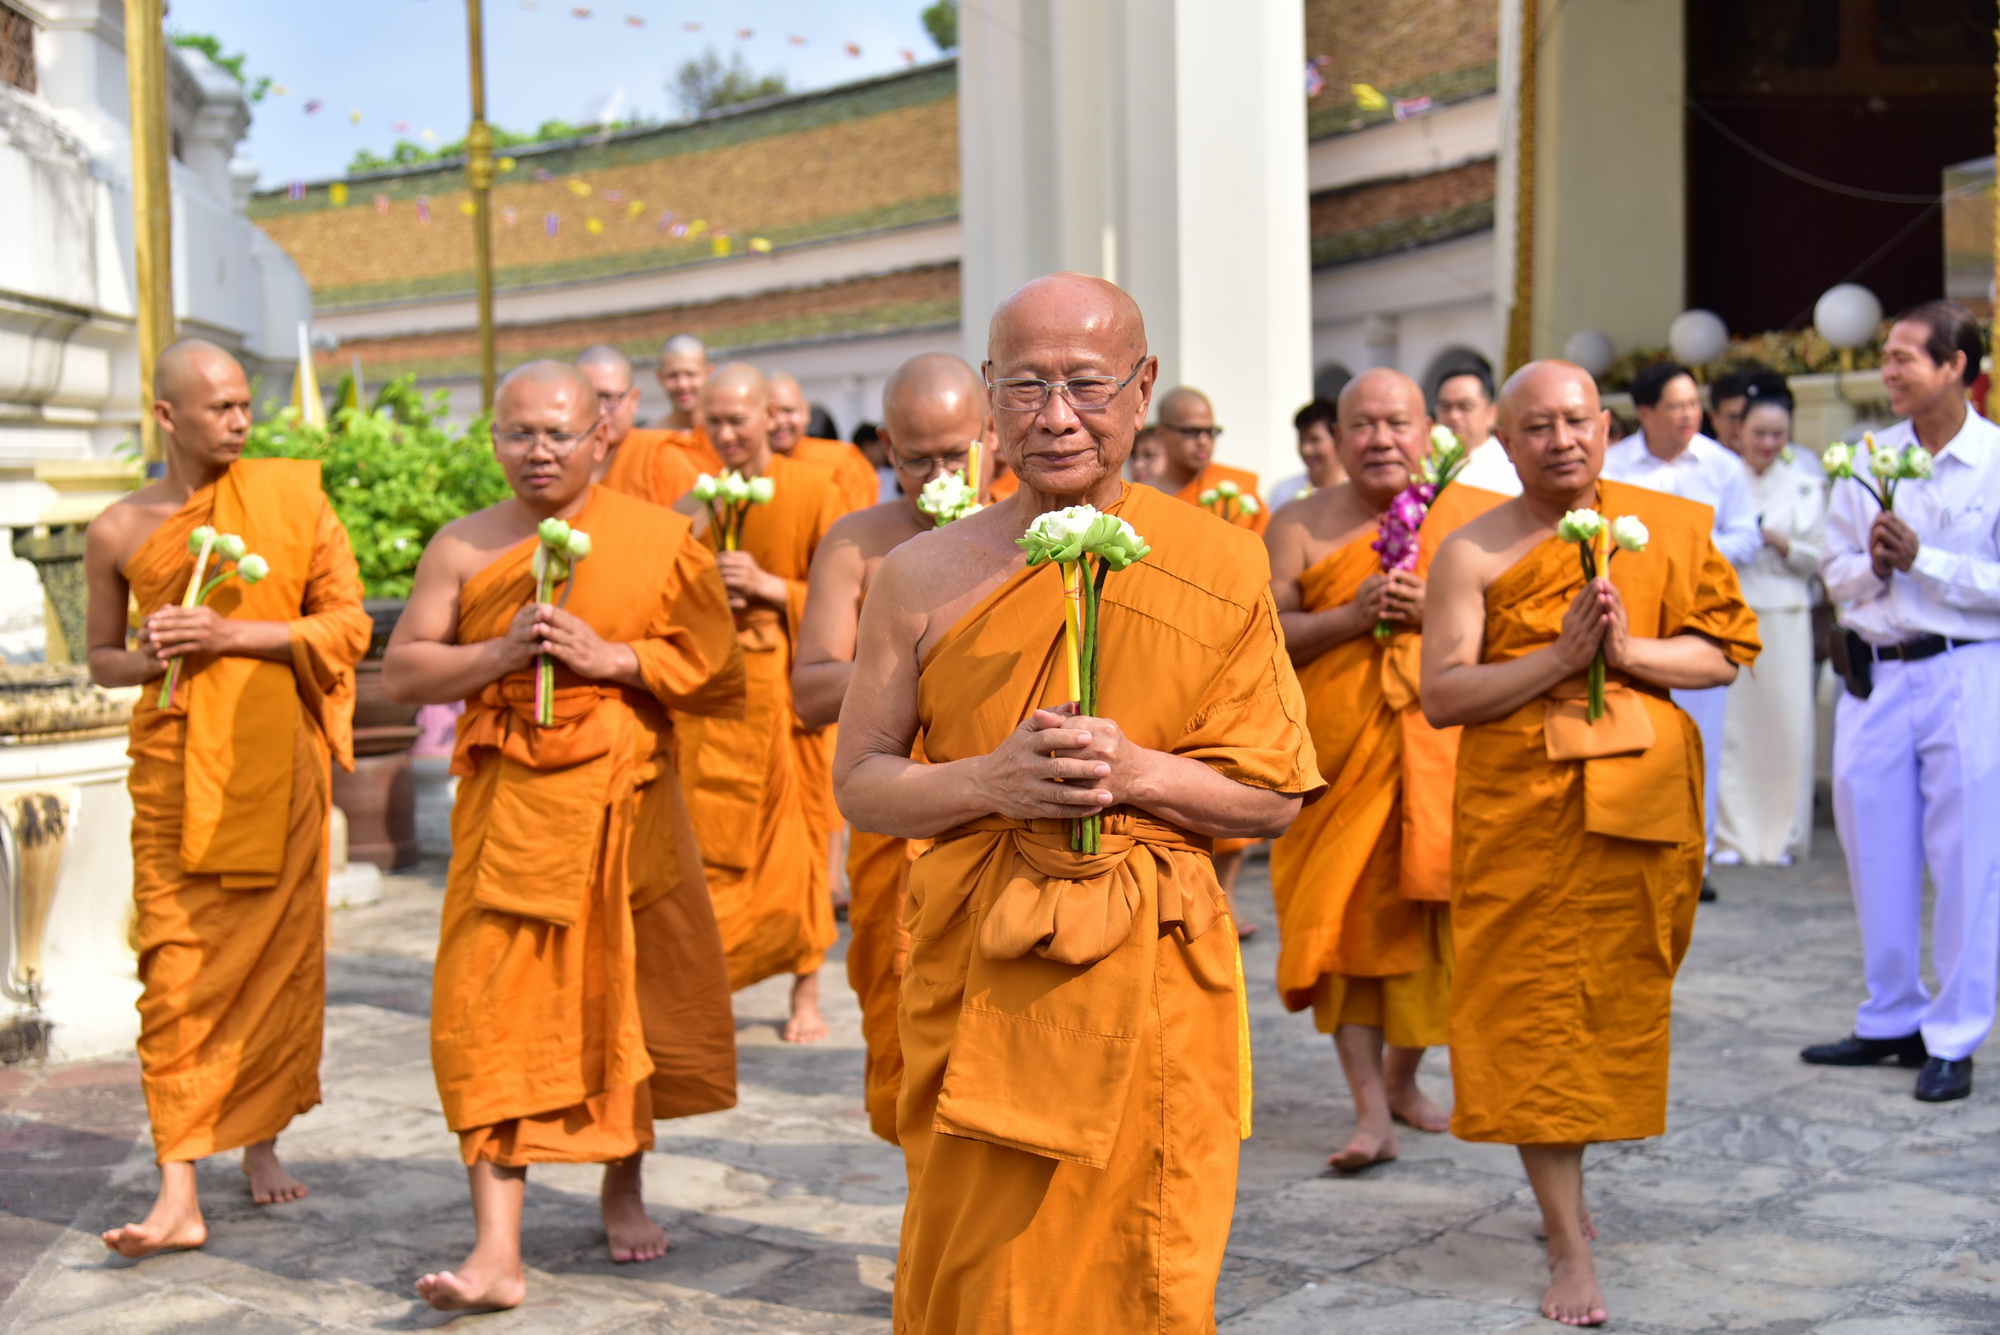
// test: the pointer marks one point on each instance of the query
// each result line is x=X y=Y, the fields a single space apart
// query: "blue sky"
x=404 y=61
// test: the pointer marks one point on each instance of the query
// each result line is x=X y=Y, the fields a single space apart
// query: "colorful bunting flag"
x=594 y=226
x=854 y=50
x=578 y=188
x=423 y=209
x=382 y=204
x=796 y=40
x=505 y=164
x=337 y=194
x=468 y=208
x=354 y=116
x=634 y=209
x=313 y=106
x=1407 y=107
x=551 y=224
x=634 y=21
x=719 y=246
x=613 y=196
x=760 y=245
x=1368 y=99
x=509 y=217
x=296 y=190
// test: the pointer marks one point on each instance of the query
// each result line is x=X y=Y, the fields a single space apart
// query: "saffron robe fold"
x=230 y=800
x=580 y=990
x=853 y=476
x=653 y=466
x=1362 y=879
x=762 y=838
x=696 y=445
x=1574 y=881
x=878 y=948
x=1076 y=1073
x=1246 y=482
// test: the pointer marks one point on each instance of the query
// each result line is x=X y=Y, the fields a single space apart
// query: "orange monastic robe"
x=698 y=448
x=764 y=852
x=1362 y=879
x=580 y=991
x=1244 y=479
x=853 y=476
x=878 y=949
x=1076 y=1079
x=652 y=466
x=1574 y=881
x=1004 y=485
x=230 y=800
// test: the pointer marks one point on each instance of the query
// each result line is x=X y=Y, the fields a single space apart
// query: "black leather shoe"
x=1855 y=1050
x=1942 y=1080
x=1707 y=892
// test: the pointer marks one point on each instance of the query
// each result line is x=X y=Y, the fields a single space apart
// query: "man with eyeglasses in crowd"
x=644 y=462
x=1075 y=1084
x=1465 y=407
x=1189 y=433
x=933 y=410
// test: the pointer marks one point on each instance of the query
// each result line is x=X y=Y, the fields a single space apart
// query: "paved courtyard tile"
x=1783 y=1200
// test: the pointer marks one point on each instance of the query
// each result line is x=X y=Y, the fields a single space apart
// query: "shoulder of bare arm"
x=431 y=612
x=833 y=589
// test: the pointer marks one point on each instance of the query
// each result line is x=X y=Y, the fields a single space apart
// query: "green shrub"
x=394 y=473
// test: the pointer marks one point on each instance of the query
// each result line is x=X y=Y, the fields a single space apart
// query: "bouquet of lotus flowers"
x=950 y=496
x=1889 y=465
x=1396 y=534
x=729 y=499
x=1591 y=533
x=1227 y=499
x=1072 y=538
x=232 y=557
x=556 y=554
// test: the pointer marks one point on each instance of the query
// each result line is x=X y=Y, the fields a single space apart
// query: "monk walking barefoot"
x=1362 y=880
x=805 y=1024
x=1578 y=842
x=933 y=414
x=580 y=989
x=230 y=779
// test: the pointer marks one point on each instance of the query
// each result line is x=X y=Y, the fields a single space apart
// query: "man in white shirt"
x=1916 y=755
x=1668 y=453
x=1465 y=404
x=1314 y=425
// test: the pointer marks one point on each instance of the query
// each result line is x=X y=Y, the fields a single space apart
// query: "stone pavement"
x=1783 y=1199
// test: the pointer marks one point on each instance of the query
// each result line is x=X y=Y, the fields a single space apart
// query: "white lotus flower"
x=762 y=489
x=706 y=488
x=1227 y=489
x=1580 y=526
x=1629 y=532
x=1916 y=462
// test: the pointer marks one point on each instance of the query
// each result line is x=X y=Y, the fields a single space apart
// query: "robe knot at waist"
x=1077 y=908
x=501 y=717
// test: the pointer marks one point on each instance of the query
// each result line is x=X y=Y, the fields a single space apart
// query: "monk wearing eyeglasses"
x=1076 y=1077
x=1188 y=436
x=639 y=461
x=933 y=409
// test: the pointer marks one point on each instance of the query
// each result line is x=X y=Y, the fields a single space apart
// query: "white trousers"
x=1766 y=790
x=1708 y=709
x=1915 y=769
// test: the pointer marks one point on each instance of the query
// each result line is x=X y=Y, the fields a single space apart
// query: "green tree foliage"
x=409 y=154
x=394 y=474
x=941 y=22
x=705 y=84
x=211 y=46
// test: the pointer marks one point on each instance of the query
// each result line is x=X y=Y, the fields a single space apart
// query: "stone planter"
x=380 y=797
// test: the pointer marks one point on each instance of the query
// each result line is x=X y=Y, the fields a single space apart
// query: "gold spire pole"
x=479 y=175
x=152 y=200
x=1520 y=317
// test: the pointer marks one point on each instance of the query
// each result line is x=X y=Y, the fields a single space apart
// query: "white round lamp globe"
x=1697 y=337
x=1847 y=315
x=1592 y=349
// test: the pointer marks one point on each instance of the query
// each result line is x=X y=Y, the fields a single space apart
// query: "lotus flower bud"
x=762 y=489
x=705 y=488
x=252 y=568
x=230 y=547
x=200 y=538
x=1885 y=462
x=1580 y=526
x=1629 y=532
x=1916 y=462
x=579 y=544
x=1209 y=497
x=553 y=532
x=1228 y=489
x=1248 y=504
x=1838 y=459
x=1444 y=440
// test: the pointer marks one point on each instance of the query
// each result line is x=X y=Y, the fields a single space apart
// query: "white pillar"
x=1160 y=144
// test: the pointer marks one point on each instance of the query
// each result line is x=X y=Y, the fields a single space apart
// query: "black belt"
x=1922 y=647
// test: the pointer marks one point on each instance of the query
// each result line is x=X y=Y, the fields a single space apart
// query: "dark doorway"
x=1872 y=98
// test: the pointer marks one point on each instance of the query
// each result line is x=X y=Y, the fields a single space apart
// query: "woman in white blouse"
x=1765 y=810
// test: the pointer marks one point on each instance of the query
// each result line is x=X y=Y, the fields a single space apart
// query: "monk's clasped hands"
x=748 y=582
x=1055 y=766
x=174 y=631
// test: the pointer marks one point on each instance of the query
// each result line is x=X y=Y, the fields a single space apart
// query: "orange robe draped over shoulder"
x=1075 y=1081
x=230 y=800
x=580 y=990
x=696 y=446
x=761 y=843
x=1244 y=479
x=853 y=476
x=1574 y=881
x=1362 y=879
x=653 y=466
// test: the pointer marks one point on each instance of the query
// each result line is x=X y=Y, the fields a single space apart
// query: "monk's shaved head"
x=1552 y=426
x=684 y=345
x=681 y=370
x=1182 y=400
x=602 y=356
x=932 y=377
x=739 y=378
x=1381 y=433
x=1538 y=381
x=186 y=368
x=1372 y=385
x=551 y=379
x=933 y=408
x=736 y=414
x=1084 y=308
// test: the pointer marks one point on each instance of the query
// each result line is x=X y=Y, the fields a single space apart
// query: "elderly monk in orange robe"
x=765 y=853
x=229 y=858
x=1577 y=845
x=1075 y=1042
x=638 y=461
x=579 y=988
x=682 y=369
x=933 y=408
x=1189 y=434
x=1362 y=879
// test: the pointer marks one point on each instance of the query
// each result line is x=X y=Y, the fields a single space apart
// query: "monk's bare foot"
x=628 y=1229
x=476 y=1284
x=1245 y=930
x=1413 y=1107
x=1588 y=1225
x=174 y=1224
x=270 y=1184
x=1362 y=1151
x=806 y=1025
x=1573 y=1297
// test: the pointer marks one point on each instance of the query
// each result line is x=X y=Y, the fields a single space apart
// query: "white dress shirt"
x=1791 y=502
x=1953 y=586
x=1489 y=469
x=1706 y=471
